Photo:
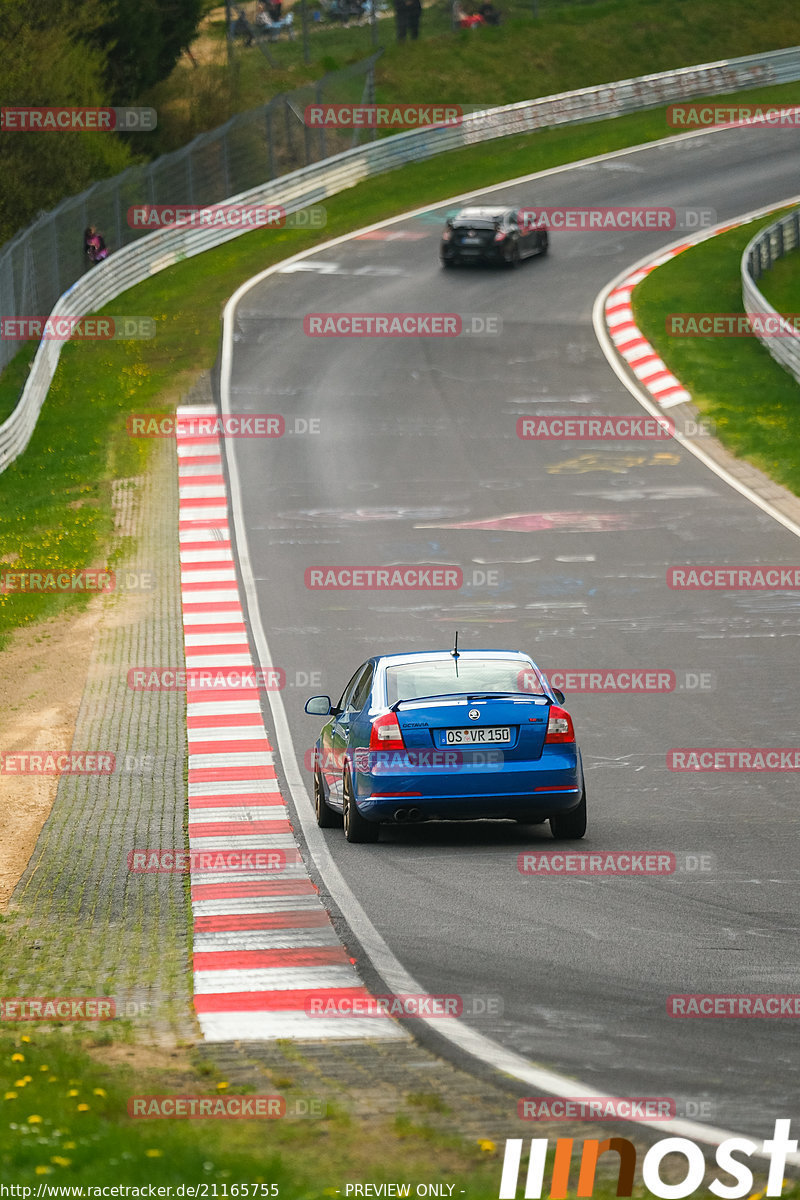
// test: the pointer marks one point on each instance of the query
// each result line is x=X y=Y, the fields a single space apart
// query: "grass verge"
x=752 y=402
x=566 y=45
x=781 y=283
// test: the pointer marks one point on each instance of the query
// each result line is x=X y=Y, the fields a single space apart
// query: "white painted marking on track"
x=250 y=1026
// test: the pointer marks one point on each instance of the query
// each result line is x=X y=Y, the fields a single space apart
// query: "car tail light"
x=559 y=726
x=447 y=235
x=500 y=236
x=386 y=733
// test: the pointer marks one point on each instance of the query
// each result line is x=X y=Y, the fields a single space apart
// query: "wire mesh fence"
x=43 y=261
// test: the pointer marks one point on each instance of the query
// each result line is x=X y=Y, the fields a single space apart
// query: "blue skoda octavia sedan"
x=447 y=735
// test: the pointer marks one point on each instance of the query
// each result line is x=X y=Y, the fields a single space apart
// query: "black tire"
x=515 y=258
x=326 y=817
x=543 y=244
x=356 y=827
x=448 y=263
x=570 y=825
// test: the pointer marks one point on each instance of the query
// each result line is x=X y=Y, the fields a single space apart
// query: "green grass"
x=567 y=46
x=781 y=283
x=64 y=1115
x=753 y=403
x=55 y=499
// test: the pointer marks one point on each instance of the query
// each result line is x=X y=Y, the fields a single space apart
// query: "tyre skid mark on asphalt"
x=265 y=946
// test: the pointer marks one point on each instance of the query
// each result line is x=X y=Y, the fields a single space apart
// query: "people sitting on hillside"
x=464 y=18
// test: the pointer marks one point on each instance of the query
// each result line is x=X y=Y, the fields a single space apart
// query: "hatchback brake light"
x=559 y=726
x=500 y=236
x=386 y=733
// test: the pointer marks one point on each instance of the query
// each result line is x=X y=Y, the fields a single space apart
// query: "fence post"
x=270 y=141
x=304 y=17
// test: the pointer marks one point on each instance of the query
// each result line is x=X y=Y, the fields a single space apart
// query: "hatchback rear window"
x=415 y=680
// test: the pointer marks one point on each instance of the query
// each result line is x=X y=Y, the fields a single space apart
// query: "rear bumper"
x=473 y=254
x=550 y=785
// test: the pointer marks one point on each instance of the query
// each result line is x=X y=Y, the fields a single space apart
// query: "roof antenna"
x=454 y=651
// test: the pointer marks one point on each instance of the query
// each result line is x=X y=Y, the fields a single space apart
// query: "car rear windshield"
x=442 y=677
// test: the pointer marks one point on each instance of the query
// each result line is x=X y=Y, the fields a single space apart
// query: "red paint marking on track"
x=298 y=918
x=223 y=774
x=201 y=829
x=294 y=999
x=253 y=887
x=242 y=960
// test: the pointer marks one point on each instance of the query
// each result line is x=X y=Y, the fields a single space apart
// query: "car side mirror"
x=559 y=695
x=319 y=706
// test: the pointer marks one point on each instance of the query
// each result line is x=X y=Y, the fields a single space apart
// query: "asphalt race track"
x=417 y=461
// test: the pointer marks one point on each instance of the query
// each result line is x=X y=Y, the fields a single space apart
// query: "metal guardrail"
x=311 y=184
x=759 y=254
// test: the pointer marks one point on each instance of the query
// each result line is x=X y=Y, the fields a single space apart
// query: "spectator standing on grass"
x=241 y=27
x=407 y=15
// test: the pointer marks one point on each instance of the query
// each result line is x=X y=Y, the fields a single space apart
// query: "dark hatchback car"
x=490 y=235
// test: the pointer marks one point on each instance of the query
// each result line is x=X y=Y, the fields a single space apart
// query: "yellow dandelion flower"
x=83 y=1108
x=28 y=1078
x=44 y=1170
x=69 y=1145
x=18 y=1057
x=153 y=1153
x=10 y=1096
x=53 y=1079
x=221 y=1086
x=34 y=1120
x=98 y=1092
x=60 y=1161
x=487 y=1145
x=72 y=1092
x=44 y=1068
x=24 y=1038
x=20 y=1083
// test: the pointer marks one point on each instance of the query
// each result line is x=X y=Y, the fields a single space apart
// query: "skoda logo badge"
x=474 y=713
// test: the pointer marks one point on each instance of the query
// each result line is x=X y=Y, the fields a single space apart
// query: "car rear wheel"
x=356 y=827
x=514 y=258
x=448 y=263
x=571 y=824
x=543 y=244
x=326 y=817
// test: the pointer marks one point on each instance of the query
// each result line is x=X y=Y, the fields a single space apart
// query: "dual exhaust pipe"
x=407 y=814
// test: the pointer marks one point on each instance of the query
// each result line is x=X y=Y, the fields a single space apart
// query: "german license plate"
x=489 y=735
x=471 y=242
